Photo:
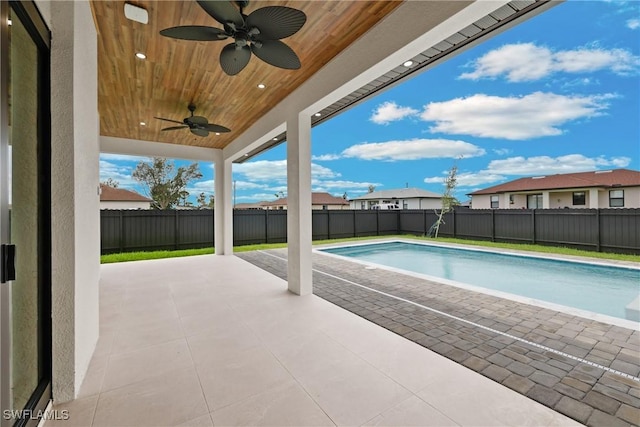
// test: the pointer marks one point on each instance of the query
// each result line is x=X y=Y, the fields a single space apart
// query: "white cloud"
x=413 y=149
x=344 y=184
x=389 y=111
x=276 y=170
x=502 y=151
x=123 y=157
x=545 y=165
x=119 y=173
x=633 y=24
x=516 y=118
x=325 y=157
x=499 y=170
x=527 y=62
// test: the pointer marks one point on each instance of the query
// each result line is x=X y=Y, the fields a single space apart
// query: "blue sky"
x=559 y=93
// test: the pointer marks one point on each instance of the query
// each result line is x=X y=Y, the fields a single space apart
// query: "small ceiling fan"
x=258 y=33
x=198 y=125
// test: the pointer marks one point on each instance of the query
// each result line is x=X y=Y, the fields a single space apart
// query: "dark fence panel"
x=195 y=229
x=249 y=227
x=388 y=222
x=320 y=225
x=514 y=225
x=342 y=224
x=619 y=230
x=276 y=226
x=569 y=227
x=474 y=224
x=607 y=230
x=366 y=223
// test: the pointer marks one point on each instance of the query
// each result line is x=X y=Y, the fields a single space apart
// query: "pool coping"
x=616 y=321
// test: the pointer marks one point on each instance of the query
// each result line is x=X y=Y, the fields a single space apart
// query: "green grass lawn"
x=138 y=256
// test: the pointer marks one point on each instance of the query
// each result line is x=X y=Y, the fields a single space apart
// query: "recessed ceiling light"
x=317 y=114
x=143 y=124
x=275 y=139
x=217 y=133
x=261 y=86
x=9 y=22
x=408 y=63
x=140 y=55
x=246 y=155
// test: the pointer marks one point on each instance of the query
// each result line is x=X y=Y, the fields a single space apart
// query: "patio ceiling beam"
x=134 y=147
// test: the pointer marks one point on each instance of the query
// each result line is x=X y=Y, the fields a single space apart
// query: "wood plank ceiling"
x=176 y=72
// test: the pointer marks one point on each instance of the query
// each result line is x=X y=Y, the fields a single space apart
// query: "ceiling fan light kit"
x=258 y=33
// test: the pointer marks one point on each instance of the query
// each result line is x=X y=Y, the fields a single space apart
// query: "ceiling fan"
x=198 y=125
x=258 y=33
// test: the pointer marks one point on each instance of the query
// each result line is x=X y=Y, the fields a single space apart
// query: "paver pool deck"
x=551 y=357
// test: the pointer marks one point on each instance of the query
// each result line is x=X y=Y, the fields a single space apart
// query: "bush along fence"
x=603 y=230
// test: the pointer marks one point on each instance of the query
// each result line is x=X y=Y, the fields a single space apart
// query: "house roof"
x=110 y=194
x=402 y=193
x=316 y=199
x=602 y=178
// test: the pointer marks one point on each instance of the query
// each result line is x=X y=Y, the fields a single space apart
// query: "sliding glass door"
x=25 y=261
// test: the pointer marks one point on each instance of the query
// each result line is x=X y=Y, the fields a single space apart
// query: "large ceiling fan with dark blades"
x=198 y=125
x=258 y=33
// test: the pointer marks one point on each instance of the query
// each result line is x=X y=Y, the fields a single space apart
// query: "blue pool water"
x=595 y=288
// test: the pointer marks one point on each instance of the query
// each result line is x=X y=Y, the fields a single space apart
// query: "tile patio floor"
x=211 y=340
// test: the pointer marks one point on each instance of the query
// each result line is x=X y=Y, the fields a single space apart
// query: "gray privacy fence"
x=604 y=230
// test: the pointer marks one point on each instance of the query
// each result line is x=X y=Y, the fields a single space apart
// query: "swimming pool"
x=595 y=288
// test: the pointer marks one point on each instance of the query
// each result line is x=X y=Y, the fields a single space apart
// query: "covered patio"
x=213 y=340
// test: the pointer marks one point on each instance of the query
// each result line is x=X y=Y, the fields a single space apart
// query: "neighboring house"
x=619 y=188
x=119 y=198
x=404 y=198
x=324 y=201
x=255 y=205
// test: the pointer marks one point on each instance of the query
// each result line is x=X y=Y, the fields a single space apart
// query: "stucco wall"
x=74 y=187
x=562 y=199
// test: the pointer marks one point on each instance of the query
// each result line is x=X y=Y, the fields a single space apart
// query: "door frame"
x=37 y=29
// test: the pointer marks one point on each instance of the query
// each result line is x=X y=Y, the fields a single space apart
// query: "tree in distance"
x=165 y=184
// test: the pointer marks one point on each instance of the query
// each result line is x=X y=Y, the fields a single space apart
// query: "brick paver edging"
x=581 y=391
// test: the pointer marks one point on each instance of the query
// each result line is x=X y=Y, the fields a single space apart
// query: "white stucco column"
x=299 y=273
x=546 y=203
x=223 y=222
x=75 y=206
x=593 y=198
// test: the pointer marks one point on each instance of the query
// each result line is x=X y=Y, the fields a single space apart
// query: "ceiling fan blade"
x=194 y=32
x=216 y=128
x=175 y=127
x=276 y=22
x=233 y=60
x=169 y=120
x=198 y=120
x=276 y=53
x=199 y=132
x=223 y=12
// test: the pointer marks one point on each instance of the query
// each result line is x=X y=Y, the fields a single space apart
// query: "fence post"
x=533 y=226
x=454 y=222
x=266 y=225
x=354 y=222
x=424 y=221
x=493 y=225
x=121 y=238
x=175 y=226
x=598 y=230
x=377 y=222
x=329 y=224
